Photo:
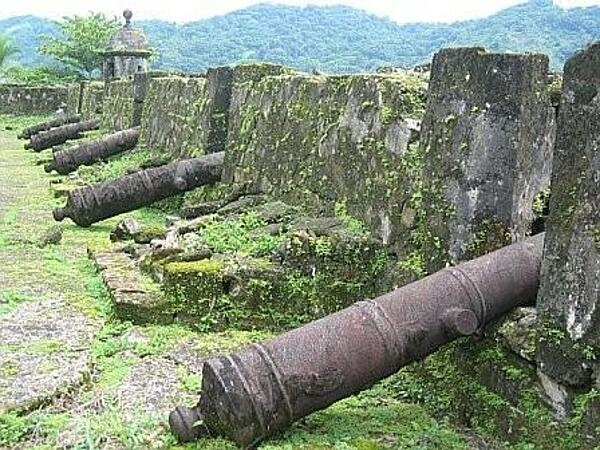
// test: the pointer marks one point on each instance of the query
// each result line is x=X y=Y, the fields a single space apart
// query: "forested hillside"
x=340 y=39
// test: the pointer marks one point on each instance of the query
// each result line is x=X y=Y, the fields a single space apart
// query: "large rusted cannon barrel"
x=60 y=135
x=261 y=390
x=66 y=161
x=49 y=124
x=92 y=204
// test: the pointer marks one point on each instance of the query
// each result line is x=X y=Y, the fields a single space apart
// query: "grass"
x=94 y=417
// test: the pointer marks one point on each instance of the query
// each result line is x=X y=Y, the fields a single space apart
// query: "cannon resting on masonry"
x=259 y=391
x=45 y=126
x=66 y=161
x=60 y=135
x=92 y=204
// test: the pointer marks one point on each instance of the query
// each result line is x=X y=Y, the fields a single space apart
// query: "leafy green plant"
x=7 y=49
x=44 y=75
x=240 y=235
x=12 y=428
x=82 y=41
x=353 y=224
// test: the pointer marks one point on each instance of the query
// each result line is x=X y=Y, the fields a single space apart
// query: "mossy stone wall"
x=189 y=116
x=27 y=100
x=92 y=96
x=569 y=297
x=490 y=386
x=171 y=116
x=321 y=141
x=487 y=139
x=73 y=98
x=117 y=108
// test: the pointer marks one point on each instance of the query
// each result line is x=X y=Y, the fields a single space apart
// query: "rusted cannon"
x=66 y=161
x=259 y=391
x=45 y=126
x=60 y=135
x=92 y=204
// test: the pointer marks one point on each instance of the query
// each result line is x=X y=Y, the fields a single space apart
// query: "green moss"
x=555 y=341
x=482 y=386
x=596 y=235
x=541 y=203
x=205 y=266
x=148 y=233
x=488 y=234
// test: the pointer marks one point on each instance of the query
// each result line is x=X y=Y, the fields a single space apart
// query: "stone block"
x=487 y=138
x=30 y=100
x=323 y=142
x=569 y=296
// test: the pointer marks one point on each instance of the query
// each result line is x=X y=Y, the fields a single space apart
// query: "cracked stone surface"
x=44 y=350
x=143 y=398
x=153 y=386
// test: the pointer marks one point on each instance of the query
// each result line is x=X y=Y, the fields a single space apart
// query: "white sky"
x=401 y=11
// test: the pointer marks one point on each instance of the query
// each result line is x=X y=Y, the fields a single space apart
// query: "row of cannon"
x=259 y=391
x=88 y=205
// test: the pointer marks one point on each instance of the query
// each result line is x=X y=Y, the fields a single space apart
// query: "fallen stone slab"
x=131 y=298
x=44 y=351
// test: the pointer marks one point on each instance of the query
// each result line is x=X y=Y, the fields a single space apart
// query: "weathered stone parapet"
x=92 y=97
x=73 y=98
x=325 y=141
x=569 y=297
x=487 y=138
x=171 y=116
x=117 y=108
x=189 y=116
x=141 y=82
x=17 y=99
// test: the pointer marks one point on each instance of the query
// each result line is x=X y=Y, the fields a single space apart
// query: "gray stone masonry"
x=487 y=137
x=569 y=296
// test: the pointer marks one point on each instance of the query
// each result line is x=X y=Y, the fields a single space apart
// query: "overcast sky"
x=189 y=10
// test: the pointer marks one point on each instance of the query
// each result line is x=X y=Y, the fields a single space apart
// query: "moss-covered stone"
x=487 y=139
x=569 y=295
x=147 y=233
x=298 y=137
x=172 y=114
x=480 y=385
x=92 y=98
x=31 y=100
x=240 y=271
x=72 y=99
x=117 y=107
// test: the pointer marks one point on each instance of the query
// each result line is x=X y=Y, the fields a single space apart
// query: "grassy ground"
x=131 y=376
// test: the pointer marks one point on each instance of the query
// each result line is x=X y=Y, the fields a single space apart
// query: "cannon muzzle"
x=59 y=214
x=259 y=391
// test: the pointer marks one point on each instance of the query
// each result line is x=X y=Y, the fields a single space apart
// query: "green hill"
x=341 y=39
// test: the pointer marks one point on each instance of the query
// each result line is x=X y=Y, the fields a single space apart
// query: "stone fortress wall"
x=440 y=171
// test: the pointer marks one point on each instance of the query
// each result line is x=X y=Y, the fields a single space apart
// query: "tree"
x=7 y=49
x=82 y=42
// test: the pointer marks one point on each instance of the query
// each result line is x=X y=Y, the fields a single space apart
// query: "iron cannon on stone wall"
x=92 y=204
x=66 y=161
x=60 y=135
x=45 y=126
x=259 y=391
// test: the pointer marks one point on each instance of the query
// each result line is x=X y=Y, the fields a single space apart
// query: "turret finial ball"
x=128 y=15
